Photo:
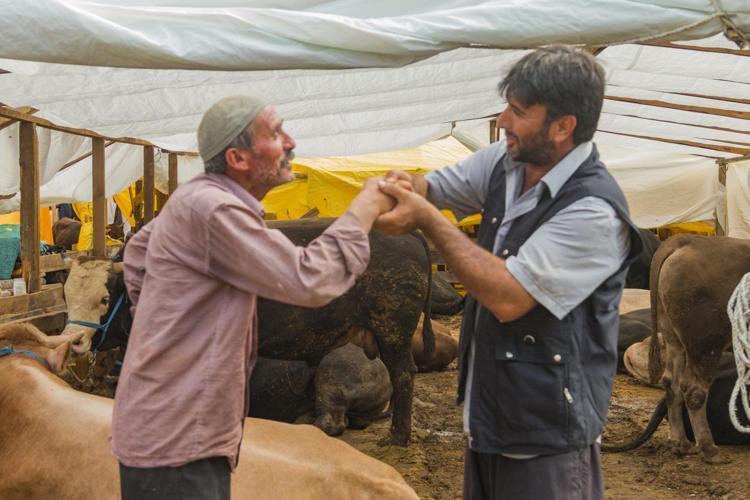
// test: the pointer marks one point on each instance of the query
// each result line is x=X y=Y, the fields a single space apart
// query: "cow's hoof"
x=714 y=457
x=684 y=448
x=393 y=440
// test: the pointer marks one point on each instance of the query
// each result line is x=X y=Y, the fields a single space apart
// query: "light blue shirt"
x=566 y=258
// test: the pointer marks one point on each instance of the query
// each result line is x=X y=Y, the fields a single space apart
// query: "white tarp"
x=292 y=34
x=738 y=199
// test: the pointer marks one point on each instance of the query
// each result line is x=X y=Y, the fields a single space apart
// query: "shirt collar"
x=240 y=192
x=561 y=172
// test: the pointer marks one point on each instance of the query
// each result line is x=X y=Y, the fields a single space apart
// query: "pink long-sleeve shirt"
x=195 y=273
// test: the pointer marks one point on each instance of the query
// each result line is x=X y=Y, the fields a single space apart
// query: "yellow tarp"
x=329 y=184
x=45 y=222
x=85 y=212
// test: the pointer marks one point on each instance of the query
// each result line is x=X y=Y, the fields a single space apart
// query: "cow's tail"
x=428 y=336
x=655 y=366
x=659 y=413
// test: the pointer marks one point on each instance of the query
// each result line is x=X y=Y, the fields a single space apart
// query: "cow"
x=386 y=300
x=345 y=390
x=65 y=232
x=639 y=273
x=446 y=301
x=692 y=278
x=54 y=440
x=446 y=349
x=717 y=404
x=635 y=326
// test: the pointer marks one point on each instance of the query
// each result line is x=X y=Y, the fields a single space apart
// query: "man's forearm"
x=481 y=272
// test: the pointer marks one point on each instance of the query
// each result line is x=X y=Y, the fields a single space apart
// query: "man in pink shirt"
x=195 y=274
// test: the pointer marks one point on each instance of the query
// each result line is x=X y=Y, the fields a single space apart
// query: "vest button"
x=529 y=339
x=494 y=220
x=505 y=252
x=509 y=355
x=557 y=358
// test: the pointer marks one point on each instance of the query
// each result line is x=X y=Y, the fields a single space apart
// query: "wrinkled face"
x=272 y=150
x=87 y=298
x=527 y=133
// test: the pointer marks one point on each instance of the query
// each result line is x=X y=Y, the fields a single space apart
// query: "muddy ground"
x=432 y=464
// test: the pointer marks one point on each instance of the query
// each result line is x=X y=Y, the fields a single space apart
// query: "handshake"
x=394 y=204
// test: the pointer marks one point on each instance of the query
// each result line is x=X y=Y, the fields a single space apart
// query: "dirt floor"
x=432 y=464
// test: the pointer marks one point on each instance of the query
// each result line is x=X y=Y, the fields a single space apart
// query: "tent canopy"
x=149 y=70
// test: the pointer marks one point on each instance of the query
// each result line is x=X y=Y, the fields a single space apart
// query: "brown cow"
x=65 y=232
x=54 y=441
x=692 y=278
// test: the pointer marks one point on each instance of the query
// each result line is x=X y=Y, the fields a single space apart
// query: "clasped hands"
x=400 y=201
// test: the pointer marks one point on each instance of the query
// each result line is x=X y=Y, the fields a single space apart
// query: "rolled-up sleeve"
x=462 y=188
x=569 y=256
x=250 y=256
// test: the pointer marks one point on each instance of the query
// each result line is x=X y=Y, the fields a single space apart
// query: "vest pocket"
x=533 y=387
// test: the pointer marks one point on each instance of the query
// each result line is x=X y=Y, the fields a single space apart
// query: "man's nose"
x=501 y=121
x=289 y=142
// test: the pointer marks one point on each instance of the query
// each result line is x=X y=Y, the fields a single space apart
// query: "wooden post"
x=148 y=183
x=100 y=197
x=29 y=164
x=493 y=130
x=172 y=173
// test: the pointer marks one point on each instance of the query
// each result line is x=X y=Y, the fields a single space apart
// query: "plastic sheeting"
x=738 y=199
x=252 y=35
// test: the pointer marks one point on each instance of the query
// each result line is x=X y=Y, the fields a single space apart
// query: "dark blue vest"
x=542 y=385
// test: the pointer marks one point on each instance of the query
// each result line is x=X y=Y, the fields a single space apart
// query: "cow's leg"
x=674 y=370
x=695 y=390
x=401 y=369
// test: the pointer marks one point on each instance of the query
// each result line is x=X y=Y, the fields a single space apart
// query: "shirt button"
x=529 y=339
x=505 y=252
x=494 y=220
x=557 y=358
x=508 y=355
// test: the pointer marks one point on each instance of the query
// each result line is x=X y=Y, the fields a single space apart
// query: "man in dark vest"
x=538 y=349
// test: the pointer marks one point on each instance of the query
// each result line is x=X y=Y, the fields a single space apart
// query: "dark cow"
x=446 y=301
x=717 y=407
x=346 y=390
x=386 y=300
x=692 y=278
x=350 y=390
x=65 y=232
x=639 y=273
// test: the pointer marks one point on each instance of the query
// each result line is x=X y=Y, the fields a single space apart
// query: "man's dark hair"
x=566 y=81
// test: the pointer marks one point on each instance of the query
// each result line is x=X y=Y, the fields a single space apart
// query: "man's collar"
x=239 y=192
x=562 y=170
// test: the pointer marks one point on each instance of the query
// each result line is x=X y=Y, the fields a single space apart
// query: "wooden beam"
x=148 y=183
x=742 y=115
x=98 y=179
x=83 y=156
x=717 y=50
x=173 y=181
x=12 y=113
x=713 y=147
x=7 y=122
x=29 y=163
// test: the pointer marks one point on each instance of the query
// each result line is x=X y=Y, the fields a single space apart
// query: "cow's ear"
x=58 y=358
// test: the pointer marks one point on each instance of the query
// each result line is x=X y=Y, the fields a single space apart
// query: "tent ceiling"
x=693 y=99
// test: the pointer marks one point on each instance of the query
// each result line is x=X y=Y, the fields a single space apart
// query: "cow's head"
x=90 y=295
x=35 y=345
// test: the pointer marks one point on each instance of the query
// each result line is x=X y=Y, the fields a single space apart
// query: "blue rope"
x=9 y=350
x=104 y=327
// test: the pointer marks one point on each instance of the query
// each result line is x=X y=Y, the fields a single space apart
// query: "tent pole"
x=99 y=196
x=29 y=164
x=172 y=173
x=148 y=183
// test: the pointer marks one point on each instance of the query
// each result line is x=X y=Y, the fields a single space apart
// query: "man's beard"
x=536 y=150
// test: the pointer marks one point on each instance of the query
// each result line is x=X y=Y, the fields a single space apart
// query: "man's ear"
x=238 y=159
x=563 y=128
